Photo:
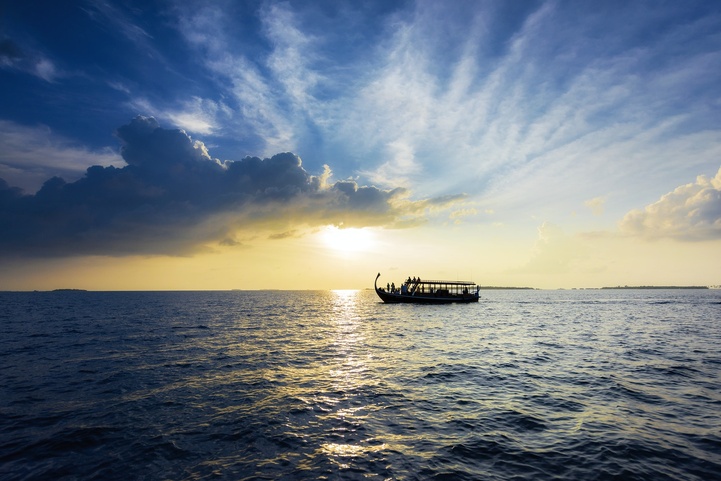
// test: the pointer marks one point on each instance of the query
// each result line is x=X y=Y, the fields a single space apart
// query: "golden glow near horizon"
x=312 y=261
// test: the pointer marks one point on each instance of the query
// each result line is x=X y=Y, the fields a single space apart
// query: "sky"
x=310 y=145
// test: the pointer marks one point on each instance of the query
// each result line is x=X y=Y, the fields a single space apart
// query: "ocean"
x=251 y=385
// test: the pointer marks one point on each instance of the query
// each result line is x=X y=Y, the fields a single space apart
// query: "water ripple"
x=334 y=385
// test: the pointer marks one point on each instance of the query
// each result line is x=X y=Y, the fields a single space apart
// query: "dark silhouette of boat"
x=417 y=291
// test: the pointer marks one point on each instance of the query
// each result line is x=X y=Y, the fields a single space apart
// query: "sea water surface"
x=567 y=385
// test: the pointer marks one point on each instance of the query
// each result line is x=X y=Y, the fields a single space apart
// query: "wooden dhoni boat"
x=417 y=291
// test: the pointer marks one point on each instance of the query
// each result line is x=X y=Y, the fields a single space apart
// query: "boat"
x=418 y=291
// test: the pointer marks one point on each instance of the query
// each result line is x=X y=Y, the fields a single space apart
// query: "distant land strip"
x=656 y=287
x=505 y=288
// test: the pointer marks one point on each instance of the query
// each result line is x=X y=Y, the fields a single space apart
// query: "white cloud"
x=196 y=115
x=106 y=12
x=691 y=212
x=400 y=167
x=291 y=55
x=596 y=205
x=256 y=101
x=119 y=86
x=28 y=60
x=45 y=69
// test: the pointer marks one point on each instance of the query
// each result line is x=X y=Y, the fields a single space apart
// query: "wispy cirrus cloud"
x=13 y=56
x=195 y=115
x=105 y=13
x=291 y=57
x=260 y=95
x=525 y=116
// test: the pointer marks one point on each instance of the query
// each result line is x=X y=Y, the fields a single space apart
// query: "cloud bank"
x=692 y=212
x=173 y=198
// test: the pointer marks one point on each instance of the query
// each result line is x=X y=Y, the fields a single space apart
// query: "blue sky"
x=506 y=121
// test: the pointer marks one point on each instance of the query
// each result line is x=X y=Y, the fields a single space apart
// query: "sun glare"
x=347 y=241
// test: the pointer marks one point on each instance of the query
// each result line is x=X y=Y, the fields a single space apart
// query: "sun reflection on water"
x=348 y=341
x=349 y=380
x=341 y=452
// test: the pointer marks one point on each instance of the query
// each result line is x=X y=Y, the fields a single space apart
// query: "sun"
x=347 y=241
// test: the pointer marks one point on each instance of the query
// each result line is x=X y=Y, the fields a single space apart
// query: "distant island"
x=506 y=288
x=656 y=287
x=69 y=290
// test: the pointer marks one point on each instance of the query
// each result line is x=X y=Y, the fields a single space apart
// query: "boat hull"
x=389 y=298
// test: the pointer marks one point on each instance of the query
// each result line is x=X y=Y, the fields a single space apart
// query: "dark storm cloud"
x=173 y=198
